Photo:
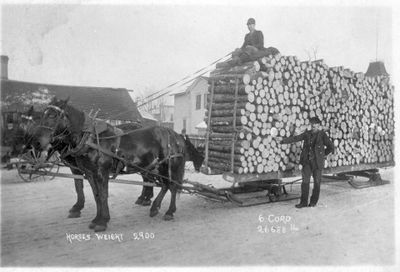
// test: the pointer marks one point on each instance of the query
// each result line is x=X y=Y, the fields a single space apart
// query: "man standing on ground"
x=312 y=159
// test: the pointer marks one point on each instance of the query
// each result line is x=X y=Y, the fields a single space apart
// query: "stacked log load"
x=256 y=104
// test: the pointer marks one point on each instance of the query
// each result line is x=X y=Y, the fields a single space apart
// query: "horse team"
x=157 y=153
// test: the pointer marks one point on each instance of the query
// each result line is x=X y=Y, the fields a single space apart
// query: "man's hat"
x=251 y=21
x=315 y=120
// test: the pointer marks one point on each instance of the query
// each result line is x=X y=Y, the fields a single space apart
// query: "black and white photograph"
x=200 y=135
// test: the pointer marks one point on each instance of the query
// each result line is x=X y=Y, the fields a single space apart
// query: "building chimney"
x=4 y=67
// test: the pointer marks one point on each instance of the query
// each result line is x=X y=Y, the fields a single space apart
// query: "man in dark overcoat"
x=312 y=159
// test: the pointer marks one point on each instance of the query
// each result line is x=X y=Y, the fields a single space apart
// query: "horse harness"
x=85 y=143
x=146 y=171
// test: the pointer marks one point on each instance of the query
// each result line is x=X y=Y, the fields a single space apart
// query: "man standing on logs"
x=312 y=159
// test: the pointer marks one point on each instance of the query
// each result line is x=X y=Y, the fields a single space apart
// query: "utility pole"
x=376 y=47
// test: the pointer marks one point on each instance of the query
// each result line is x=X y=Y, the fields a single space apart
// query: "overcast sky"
x=142 y=47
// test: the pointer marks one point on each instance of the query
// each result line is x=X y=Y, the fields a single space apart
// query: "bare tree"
x=315 y=51
x=312 y=53
x=308 y=54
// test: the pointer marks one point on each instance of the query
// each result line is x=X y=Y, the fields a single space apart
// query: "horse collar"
x=55 y=108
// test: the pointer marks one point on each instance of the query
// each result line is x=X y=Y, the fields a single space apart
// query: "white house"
x=190 y=106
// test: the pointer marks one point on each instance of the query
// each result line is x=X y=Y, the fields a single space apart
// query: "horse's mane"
x=76 y=118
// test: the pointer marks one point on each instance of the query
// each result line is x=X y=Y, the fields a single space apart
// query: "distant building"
x=190 y=106
x=164 y=114
x=376 y=68
x=148 y=119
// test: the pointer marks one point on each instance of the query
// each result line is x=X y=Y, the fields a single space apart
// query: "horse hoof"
x=74 y=214
x=153 y=213
x=92 y=225
x=146 y=202
x=139 y=201
x=99 y=228
x=168 y=217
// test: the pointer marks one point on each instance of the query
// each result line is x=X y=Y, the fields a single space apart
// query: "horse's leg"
x=104 y=211
x=139 y=201
x=147 y=193
x=143 y=196
x=96 y=194
x=176 y=176
x=100 y=181
x=169 y=215
x=157 y=202
x=75 y=211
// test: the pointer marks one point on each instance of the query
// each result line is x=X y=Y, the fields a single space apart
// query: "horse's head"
x=195 y=156
x=53 y=122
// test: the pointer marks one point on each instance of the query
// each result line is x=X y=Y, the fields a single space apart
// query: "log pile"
x=255 y=104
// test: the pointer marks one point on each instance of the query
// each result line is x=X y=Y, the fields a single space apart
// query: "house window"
x=205 y=100
x=198 y=102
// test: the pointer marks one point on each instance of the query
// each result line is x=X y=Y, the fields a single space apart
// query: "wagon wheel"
x=26 y=165
x=54 y=165
x=32 y=166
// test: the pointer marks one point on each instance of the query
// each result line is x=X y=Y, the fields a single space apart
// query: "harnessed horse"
x=62 y=145
x=95 y=151
x=192 y=154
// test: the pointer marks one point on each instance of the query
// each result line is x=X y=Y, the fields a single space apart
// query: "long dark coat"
x=319 y=150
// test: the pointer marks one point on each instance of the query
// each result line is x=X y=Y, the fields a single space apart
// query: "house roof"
x=376 y=68
x=114 y=104
x=147 y=115
x=191 y=86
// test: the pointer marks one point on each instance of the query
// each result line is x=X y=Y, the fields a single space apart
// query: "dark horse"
x=20 y=142
x=144 y=199
x=62 y=145
x=94 y=148
x=192 y=154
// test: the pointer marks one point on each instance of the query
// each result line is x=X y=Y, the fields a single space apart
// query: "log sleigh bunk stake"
x=209 y=124
x=234 y=134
